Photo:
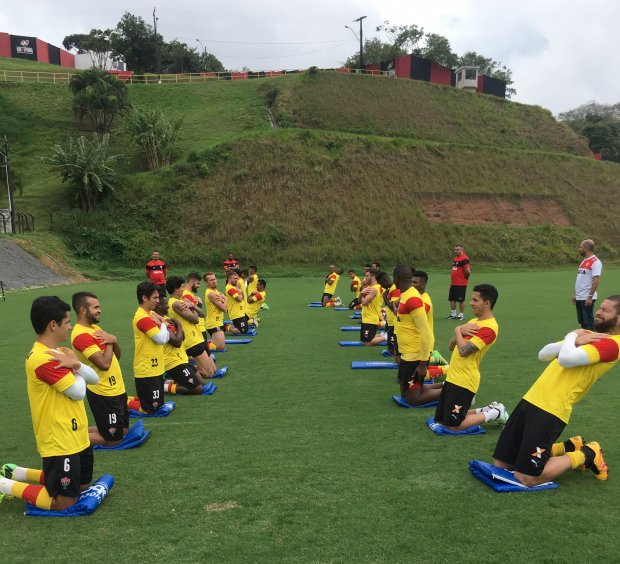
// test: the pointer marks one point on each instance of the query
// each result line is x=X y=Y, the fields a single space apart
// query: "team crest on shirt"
x=64 y=482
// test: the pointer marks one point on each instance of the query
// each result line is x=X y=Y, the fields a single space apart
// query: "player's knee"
x=528 y=481
x=61 y=502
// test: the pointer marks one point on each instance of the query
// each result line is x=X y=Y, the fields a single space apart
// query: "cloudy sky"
x=562 y=52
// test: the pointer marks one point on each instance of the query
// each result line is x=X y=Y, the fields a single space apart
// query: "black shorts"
x=368 y=332
x=392 y=341
x=184 y=375
x=63 y=475
x=204 y=336
x=328 y=296
x=406 y=375
x=453 y=404
x=526 y=439
x=214 y=330
x=150 y=392
x=241 y=323
x=111 y=414
x=196 y=350
x=457 y=294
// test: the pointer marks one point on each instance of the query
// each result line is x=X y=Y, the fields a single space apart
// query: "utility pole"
x=204 y=55
x=6 y=164
x=361 y=41
x=155 y=20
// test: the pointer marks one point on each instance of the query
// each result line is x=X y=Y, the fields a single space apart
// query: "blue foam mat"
x=237 y=342
x=387 y=354
x=440 y=429
x=136 y=436
x=220 y=373
x=341 y=309
x=88 y=501
x=372 y=364
x=315 y=305
x=208 y=389
x=163 y=411
x=501 y=480
x=351 y=328
x=403 y=403
x=359 y=344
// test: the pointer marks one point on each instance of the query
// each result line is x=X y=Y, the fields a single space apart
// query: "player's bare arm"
x=181 y=307
x=464 y=346
x=176 y=338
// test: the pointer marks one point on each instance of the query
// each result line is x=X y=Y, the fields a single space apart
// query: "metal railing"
x=185 y=78
x=24 y=222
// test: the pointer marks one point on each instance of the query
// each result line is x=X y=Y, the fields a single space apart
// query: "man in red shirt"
x=459 y=276
x=156 y=272
x=231 y=263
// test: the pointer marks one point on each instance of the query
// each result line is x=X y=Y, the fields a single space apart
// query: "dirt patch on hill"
x=20 y=269
x=485 y=210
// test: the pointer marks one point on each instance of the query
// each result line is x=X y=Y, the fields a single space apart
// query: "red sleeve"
x=427 y=308
x=190 y=298
x=410 y=305
x=486 y=335
x=333 y=276
x=232 y=292
x=607 y=350
x=146 y=324
x=172 y=327
x=49 y=374
x=258 y=296
x=83 y=341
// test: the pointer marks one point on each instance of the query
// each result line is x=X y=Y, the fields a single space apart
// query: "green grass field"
x=298 y=458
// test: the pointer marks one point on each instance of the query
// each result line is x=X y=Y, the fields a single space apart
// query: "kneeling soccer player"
x=56 y=383
x=255 y=300
x=471 y=342
x=235 y=303
x=527 y=441
x=183 y=378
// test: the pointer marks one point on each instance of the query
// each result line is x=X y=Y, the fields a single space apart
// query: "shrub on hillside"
x=86 y=165
x=155 y=134
x=98 y=95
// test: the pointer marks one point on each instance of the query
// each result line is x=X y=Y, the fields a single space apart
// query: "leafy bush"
x=154 y=133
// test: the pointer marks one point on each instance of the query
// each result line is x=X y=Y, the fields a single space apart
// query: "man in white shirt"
x=588 y=278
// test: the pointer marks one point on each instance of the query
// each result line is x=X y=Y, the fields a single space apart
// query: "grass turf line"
x=299 y=458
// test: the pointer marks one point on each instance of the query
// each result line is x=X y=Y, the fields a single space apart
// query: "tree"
x=403 y=38
x=437 y=48
x=135 y=42
x=98 y=43
x=375 y=52
x=86 y=166
x=154 y=133
x=179 y=58
x=599 y=124
x=210 y=63
x=99 y=95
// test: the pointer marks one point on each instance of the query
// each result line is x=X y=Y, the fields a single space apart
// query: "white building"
x=103 y=61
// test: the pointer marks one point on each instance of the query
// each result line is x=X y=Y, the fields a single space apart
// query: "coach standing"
x=588 y=278
x=459 y=277
x=156 y=272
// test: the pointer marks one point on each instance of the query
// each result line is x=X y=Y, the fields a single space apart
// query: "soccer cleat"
x=437 y=359
x=460 y=317
x=503 y=414
x=451 y=316
x=6 y=471
x=598 y=465
x=578 y=442
x=264 y=306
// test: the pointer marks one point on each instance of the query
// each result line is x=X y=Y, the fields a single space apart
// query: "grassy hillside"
x=420 y=110
x=30 y=66
x=325 y=188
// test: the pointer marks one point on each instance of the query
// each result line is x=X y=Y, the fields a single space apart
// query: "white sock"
x=483 y=409
x=492 y=414
x=453 y=312
x=19 y=474
x=6 y=485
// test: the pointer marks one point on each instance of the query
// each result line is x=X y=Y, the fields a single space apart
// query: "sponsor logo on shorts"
x=537 y=456
x=457 y=408
x=112 y=430
x=64 y=482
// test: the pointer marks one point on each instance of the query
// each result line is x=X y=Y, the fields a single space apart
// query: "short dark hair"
x=420 y=274
x=244 y=271
x=616 y=299
x=145 y=289
x=487 y=293
x=174 y=283
x=402 y=272
x=351 y=271
x=384 y=280
x=193 y=276
x=373 y=272
x=46 y=309
x=80 y=299
x=262 y=282
x=253 y=267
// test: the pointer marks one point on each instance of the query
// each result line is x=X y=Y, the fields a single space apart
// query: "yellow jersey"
x=558 y=389
x=252 y=285
x=356 y=285
x=191 y=297
x=411 y=327
x=393 y=296
x=464 y=371
x=215 y=316
x=371 y=313
x=60 y=424
x=148 y=357
x=428 y=306
x=235 y=309
x=254 y=307
x=331 y=288
x=85 y=345
x=191 y=332
x=173 y=356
